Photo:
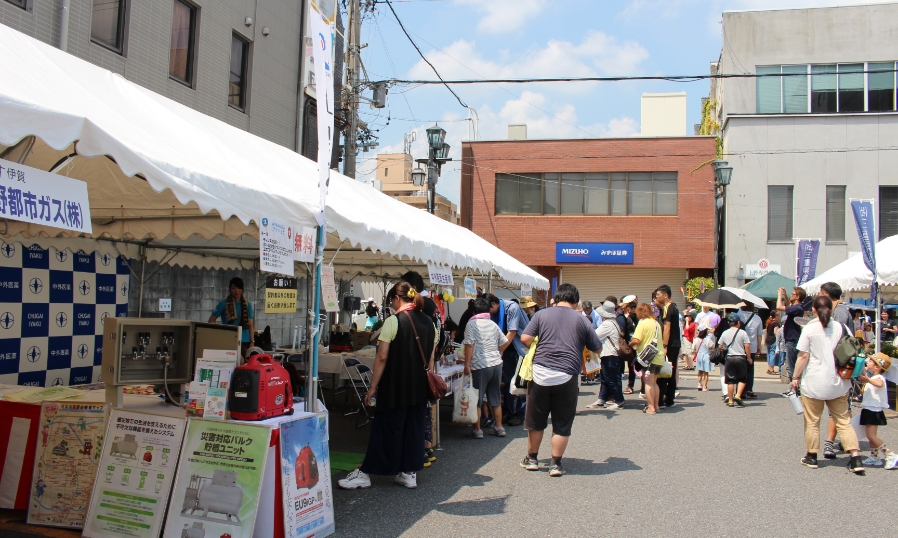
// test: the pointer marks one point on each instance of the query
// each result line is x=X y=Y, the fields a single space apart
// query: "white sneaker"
x=355 y=480
x=598 y=403
x=641 y=396
x=613 y=406
x=408 y=480
x=677 y=394
x=870 y=461
x=891 y=462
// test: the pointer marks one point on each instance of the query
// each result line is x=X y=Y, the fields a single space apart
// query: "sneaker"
x=829 y=451
x=725 y=396
x=596 y=404
x=426 y=463
x=614 y=406
x=531 y=464
x=856 y=465
x=355 y=480
x=837 y=446
x=498 y=432
x=515 y=421
x=739 y=402
x=677 y=394
x=809 y=460
x=409 y=481
x=477 y=434
x=556 y=469
x=641 y=396
x=891 y=462
x=429 y=456
x=870 y=461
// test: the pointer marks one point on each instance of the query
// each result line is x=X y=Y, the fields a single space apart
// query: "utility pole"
x=353 y=68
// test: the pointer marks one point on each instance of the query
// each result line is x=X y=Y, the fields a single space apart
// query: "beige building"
x=663 y=114
x=394 y=171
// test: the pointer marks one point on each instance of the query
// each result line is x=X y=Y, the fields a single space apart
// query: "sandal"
x=645 y=409
x=629 y=390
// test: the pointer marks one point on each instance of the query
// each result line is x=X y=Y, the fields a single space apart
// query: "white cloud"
x=500 y=16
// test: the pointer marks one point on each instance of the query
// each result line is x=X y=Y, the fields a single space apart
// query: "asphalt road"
x=699 y=468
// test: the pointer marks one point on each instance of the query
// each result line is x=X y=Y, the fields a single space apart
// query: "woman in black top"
x=399 y=384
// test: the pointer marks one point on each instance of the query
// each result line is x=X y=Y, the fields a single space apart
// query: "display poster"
x=137 y=467
x=65 y=464
x=305 y=477
x=439 y=275
x=470 y=288
x=526 y=290
x=37 y=197
x=219 y=476
x=807 y=252
x=329 y=289
x=304 y=244
x=275 y=246
x=280 y=295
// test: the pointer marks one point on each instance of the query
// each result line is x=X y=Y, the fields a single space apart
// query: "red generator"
x=306 y=468
x=260 y=389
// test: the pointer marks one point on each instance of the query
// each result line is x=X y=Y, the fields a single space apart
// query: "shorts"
x=736 y=369
x=655 y=368
x=872 y=418
x=488 y=381
x=560 y=401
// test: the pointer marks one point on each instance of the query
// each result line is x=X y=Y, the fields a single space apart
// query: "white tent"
x=181 y=183
x=853 y=275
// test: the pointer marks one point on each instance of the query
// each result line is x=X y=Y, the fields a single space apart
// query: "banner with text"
x=439 y=275
x=280 y=295
x=306 y=478
x=329 y=289
x=864 y=220
x=304 y=244
x=275 y=246
x=322 y=43
x=37 y=197
x=806 y=263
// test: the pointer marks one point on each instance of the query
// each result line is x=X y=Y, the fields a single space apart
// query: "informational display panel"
x=306 y=478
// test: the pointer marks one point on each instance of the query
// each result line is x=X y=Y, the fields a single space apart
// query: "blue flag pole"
x=312 y=393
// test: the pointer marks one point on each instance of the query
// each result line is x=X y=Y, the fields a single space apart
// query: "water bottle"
x=796 y=403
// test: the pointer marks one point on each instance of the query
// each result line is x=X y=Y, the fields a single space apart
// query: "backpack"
x=847 y=349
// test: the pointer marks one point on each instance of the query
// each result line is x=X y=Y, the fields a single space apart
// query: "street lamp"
x=443 y=152
x=723 y=174
x=437 y=154
x=435 y=137
x=418 y=177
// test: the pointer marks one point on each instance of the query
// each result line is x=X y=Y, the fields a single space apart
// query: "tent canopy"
x=853 y=275
x=166 y=176
x=768 y=285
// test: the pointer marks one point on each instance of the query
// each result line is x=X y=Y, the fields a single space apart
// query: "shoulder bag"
x=623 y=348
x=718 y=355
x=648 y=353
x=436 y=387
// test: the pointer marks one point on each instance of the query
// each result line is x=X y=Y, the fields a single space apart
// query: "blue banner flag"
x=806 y=265
x=866 y=232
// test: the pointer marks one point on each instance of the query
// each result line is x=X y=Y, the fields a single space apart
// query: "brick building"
x=612 y=216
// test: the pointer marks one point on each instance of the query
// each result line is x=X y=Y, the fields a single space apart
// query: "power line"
x=412 y=41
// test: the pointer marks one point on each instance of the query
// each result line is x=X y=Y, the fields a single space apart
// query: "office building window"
x=237 y=81
x=795 y=89
x=881 y=87
x=592 y=193
x=823 y=88
x=835 y=213
x=769 y=90
x=851 y=87
x=888 y=212
x=19 y=3
x=386 y=172
x=107 y=24
x=182 y=52
x=779 y=213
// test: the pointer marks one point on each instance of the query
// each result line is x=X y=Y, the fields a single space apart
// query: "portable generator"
x=260 y=389
x=306 y=468
x=125 y=447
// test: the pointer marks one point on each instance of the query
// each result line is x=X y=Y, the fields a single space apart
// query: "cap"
x=883 y=360
x=627 y=300
x=703 y=327
x=733 y=317
x=370 y=299
x=527 y=302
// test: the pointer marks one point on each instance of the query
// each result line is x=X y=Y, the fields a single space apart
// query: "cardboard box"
x=360 y=339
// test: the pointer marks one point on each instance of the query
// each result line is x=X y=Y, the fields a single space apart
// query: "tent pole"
x=143 y=266
x=312 y=393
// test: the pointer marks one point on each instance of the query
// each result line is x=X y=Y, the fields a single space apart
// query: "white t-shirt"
x=876 y=398
x=735 y=339
x=486 y=337
x=819 y=380
x=547 y=377
x=609 y=334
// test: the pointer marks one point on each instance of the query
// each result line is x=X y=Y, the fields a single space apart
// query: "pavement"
x=696 y=469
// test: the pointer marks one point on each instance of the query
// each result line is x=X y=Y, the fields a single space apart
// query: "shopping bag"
x=666 y=370
x=466 y=402
x=518 y=386
x=526 y=370
x=861 y=431
x=591 y=363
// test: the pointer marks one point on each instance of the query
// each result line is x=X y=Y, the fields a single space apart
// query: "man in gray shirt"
x=752 y=324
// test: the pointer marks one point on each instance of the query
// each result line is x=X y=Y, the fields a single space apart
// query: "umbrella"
x=747 y=296
x=720 y=298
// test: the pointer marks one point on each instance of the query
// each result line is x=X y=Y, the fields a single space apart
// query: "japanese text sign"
x=439 y=275
x=806 y=264
x=31 y=195
x=275 y=246
x=304 y=244
x=612 y=253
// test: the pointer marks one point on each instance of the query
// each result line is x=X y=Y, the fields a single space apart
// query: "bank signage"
x=610 y=253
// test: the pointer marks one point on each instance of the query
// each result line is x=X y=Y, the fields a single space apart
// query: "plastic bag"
x=518 y=386
x=861 y=431
x=666 y=370
x=467 y=401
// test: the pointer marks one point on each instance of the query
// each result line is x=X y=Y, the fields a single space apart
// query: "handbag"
x=666 y=370
x=467 y=401
x=591 y=362
x=847 y=349
x=718 y=355
x=436 y=387
x=518 y=386
x=648 y=353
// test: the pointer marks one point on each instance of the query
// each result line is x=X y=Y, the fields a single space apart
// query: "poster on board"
x=136 y=470
x=275 y=246
x=306 y=478
x=219 y=477
x=65 y=464
x=329 y=289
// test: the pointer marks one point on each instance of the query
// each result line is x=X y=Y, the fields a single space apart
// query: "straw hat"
x=527 y=302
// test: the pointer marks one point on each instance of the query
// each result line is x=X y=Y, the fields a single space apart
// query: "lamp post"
x=437 y=154
x=723 y=174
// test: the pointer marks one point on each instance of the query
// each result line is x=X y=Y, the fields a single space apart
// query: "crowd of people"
x=632 y=340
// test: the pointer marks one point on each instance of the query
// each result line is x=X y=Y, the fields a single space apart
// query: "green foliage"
x=889 y=349
x=693 y=286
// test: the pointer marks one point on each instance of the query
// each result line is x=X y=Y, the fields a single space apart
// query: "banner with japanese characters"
x=136 y=471
x=37 y=197
x=219 y=478
x=304 y=244
x=440 y=275
x=305 y=477
x=806 y=260
x=280 y=295
x=322 y=54
x=275 y=246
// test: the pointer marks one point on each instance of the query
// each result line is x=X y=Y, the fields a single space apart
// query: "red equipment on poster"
x=260 y=389
x=306 y=469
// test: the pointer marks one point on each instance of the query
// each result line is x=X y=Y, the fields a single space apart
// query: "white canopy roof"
x=175 y=175
x=853 y=275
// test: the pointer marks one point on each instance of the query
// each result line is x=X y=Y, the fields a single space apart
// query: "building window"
x=835 y=213
x=851 y=87
x=182 y=52
x=237 y=81
x=888 y=212
x=107 y=24
x=823 y=88
x=769 y=90
x=386 y=172
x=593 y=193
x=19 y=3
x=881 y=87
x=779 y=213
x=795 y=89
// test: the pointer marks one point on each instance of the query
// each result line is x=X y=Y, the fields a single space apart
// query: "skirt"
x=872 y=418
x=703 y=362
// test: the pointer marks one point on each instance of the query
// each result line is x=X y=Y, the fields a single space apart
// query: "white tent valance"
x=853 y=275
x=174 y=173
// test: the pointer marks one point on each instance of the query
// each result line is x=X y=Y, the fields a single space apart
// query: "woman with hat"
x=611 y=395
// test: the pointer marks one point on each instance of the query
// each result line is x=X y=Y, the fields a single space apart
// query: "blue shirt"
x=219 y=312
x=515 y=320
x=594 y=318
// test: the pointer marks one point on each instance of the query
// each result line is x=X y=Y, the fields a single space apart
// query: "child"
x=872 y=416
x=703 y=344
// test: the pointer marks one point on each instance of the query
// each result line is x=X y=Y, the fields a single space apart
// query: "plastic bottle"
x=796 y=403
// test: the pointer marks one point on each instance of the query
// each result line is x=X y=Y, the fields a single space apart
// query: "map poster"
x=220 y=470
x=65 y=464
x=306 y=478
x=137 y=467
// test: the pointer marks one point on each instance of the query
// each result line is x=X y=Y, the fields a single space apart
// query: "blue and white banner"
x=806 y=263
x=610 y=253
x=322 y=53
x=865 y=220
x=52 y=307
x=31 y=195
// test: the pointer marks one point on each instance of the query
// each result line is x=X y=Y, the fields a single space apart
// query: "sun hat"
x=703 y=327
x=527 y=302
x=627 y=300
x=883 y=360
x=607 y=310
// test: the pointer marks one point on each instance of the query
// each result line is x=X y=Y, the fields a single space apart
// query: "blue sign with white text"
x=609 y=253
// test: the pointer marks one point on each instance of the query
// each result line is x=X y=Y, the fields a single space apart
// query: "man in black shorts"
x=738 y=345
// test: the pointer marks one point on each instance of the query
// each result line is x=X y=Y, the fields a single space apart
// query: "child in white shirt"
x=876 y=400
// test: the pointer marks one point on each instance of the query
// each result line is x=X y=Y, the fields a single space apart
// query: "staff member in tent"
x=236 y=310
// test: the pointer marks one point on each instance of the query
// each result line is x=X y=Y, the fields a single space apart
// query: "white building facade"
x=819 y=130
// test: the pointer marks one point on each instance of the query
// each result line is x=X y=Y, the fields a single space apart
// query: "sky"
x=478 y=39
